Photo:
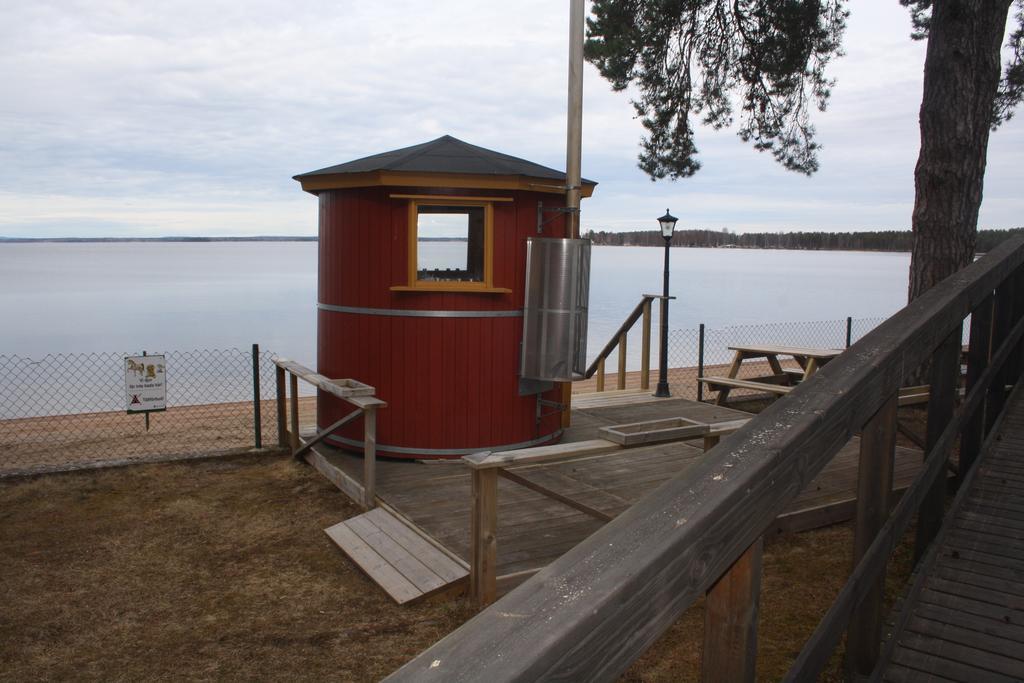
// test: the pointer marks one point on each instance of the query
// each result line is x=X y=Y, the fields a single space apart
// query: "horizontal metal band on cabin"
x=353 y=443
x=410 y=313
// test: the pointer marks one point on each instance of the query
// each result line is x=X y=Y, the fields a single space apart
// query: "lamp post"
x=668 y=226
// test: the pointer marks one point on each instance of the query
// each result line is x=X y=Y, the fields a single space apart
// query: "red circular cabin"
x=422 y=279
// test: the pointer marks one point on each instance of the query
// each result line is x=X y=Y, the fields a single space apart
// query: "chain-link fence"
x=68 y=411
x=705 y=351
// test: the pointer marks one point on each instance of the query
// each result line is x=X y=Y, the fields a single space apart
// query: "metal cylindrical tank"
x=440 y=341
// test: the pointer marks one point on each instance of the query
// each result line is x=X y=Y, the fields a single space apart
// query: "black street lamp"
x=668 y=226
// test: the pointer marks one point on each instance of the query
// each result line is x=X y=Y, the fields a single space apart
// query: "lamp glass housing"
x=668 y=224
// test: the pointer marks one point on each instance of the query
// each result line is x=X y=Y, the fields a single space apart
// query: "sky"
x=131 y=119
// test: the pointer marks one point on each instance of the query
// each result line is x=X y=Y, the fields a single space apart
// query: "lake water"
x=59 y=298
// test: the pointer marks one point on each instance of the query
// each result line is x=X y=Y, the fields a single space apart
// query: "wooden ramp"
x=397 y=556
x=964 y=616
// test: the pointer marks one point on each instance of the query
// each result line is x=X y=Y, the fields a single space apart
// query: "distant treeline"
x=878 y=240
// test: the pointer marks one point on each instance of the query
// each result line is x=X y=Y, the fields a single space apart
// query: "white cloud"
x=191 y=117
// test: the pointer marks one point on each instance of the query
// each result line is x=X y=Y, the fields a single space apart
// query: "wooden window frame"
x=417 y=285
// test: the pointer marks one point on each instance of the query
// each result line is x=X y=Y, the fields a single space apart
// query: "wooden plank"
x=984 y=625
x=988 y=666
x=778 y=350
x=977 y=360
x=369 y=455
x=349 y=486
x=715 y=382
x=945 y=374
x=902 y=674
x=654 y=431
x=488 y=459
x=964 y=605
x=387 y=577
x=554 y=495
x=342 y=388
x=730 y=620
x=620 y=382
x=936 y=666
x=645 y=348
x=874 y=486
x=484 y=537
x=978 y=577
x=981 y=562
x=317 y=438
x=409 y=566
x=416 y=545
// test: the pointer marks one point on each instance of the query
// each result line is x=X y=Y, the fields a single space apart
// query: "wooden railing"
x=593 y=611
x=619 y=339
x=486 y=467
x=356 y=394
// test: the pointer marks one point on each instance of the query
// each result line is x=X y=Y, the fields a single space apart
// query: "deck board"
x=397 y=558
x=967 y=621
x=533 y=529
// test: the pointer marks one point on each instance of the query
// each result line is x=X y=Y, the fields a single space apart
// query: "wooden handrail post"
x=874 y=489
x=1016 y=363
x=483 y=569
x=1002 y=323
x=645 y=353
x=621 y=383
x=945 y=376
x=978 y=353
x=369 y=457
x=730 y=620
x=600 y=375
x=282 y=410
x=294 y=405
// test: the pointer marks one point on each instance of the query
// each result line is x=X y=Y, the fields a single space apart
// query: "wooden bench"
x=726 y=383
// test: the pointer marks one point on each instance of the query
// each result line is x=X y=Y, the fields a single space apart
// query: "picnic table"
x=781 y=380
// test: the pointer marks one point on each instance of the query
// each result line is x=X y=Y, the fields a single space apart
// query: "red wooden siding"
x=450 y=383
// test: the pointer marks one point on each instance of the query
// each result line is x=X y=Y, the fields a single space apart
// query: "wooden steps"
x=397 y=556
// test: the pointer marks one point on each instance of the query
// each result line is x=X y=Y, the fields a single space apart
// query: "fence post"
x=621 y=382
x=874 y=488
x=483 y=569
x=730 y=620
x=978 y=354
x=730 y=614
x=700 y=362
x=294 y=405
x=645 y=354
x=282 y=399
x=1002 y=323
x=945 y=376
x=369 y=456
x=256 y=417
x=600 y=375
x=849 y=330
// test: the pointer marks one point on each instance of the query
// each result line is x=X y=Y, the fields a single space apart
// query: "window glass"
x=449 y=243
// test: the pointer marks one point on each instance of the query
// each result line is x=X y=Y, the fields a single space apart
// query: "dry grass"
x=218 y=569
x=204 y=570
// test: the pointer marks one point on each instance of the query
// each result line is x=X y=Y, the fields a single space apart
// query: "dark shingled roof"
x=445 y=155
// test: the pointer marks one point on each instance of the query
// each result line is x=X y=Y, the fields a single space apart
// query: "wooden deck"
x=534 y=529
x=964 y=618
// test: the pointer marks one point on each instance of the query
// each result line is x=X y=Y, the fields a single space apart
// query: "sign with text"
x=145 y=383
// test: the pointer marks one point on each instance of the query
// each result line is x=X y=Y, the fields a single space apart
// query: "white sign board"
x=145 y=383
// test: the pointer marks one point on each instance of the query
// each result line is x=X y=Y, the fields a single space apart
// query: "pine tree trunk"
x=961 y=76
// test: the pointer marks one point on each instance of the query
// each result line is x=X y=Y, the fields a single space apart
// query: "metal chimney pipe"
x=574 y=123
